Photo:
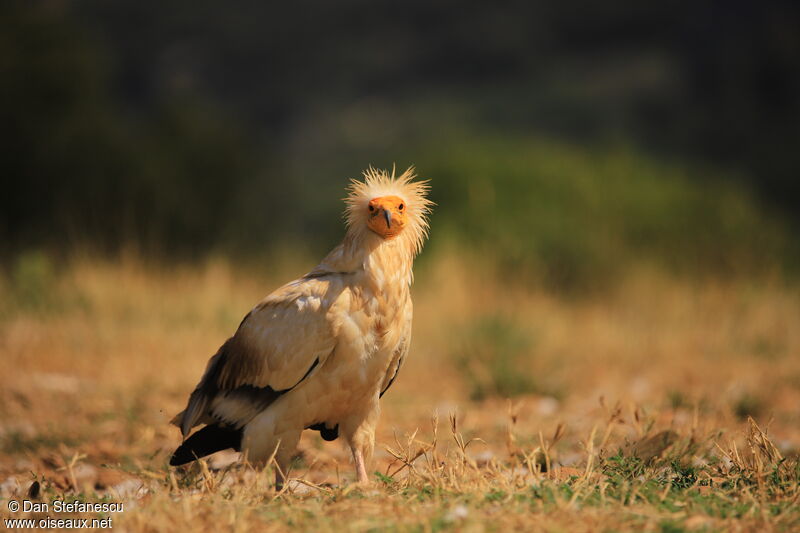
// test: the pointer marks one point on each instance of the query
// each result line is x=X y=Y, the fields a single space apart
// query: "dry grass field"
x=658 y=405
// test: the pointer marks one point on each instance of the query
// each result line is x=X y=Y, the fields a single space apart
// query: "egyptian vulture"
x=319 y=352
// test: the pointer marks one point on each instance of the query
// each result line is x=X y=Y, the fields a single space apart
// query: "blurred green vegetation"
x=34 y=284
x=495 y=355
x=33 y=279
x=578 y=215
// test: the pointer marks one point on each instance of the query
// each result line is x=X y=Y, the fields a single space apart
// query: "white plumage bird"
x=319 y=352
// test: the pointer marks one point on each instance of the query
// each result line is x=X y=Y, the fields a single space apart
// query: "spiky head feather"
x=379 y=183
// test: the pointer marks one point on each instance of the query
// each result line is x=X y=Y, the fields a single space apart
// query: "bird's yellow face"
x=387 y=216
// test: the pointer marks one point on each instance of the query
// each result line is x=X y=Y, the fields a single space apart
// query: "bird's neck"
x=389 y=266
x=386 y=262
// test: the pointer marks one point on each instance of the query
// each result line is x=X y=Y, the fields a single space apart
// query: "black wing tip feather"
x=206 y=441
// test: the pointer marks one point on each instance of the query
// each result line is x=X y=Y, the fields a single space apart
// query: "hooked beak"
x=388 y=216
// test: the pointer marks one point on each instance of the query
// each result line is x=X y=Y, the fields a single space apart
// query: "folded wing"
x=282 y=341
x=400 y=353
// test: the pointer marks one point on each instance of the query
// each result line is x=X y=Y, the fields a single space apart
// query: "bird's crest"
x=379 y=183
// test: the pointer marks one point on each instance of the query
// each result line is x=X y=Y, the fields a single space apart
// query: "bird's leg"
x=361 y=444
x=280 y=478
x=276 y=451
x=361 y=465
x=281 y=469
x=283 y=461
x=359 y=431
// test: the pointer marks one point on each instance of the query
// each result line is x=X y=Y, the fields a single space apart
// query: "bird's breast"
x=368 y=330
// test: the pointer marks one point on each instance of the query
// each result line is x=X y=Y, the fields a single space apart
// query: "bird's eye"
x=371 y=208
x=401 y=207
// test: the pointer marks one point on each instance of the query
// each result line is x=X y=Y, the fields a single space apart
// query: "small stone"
x=483 y=458
x=223 y=459
x=9 y=487
x=129 y=488
x=457 y=513
x=547 y=406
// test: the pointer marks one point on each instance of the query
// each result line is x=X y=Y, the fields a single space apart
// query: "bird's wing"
x=400 y=353
x=278 y=344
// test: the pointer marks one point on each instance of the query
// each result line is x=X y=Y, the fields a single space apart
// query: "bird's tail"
x=206 y=441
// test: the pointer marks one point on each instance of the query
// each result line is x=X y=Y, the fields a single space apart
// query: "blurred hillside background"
x=567 y=140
